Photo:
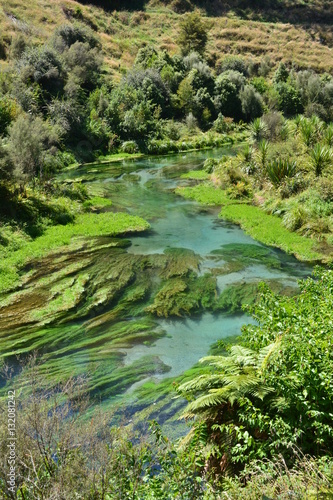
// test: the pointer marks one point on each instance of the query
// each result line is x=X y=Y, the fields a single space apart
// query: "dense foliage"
x=268 y=400
x=271 y=395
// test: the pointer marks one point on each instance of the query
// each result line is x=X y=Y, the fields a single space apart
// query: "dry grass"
x=123 y=33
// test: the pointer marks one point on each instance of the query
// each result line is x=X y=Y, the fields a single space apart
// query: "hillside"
x=286 y=30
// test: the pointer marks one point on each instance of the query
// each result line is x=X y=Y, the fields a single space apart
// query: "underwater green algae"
x=89 y=306
x=247 y=254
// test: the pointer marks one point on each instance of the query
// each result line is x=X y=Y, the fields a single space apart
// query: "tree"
x=193 y=35
x=28 y=141
x=227 y=89
x=289 y=99
x=83 y=64
x=252 y=105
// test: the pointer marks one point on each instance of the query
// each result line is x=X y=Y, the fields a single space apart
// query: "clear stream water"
x=146 y=188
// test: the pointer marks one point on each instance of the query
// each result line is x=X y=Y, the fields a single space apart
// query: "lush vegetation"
x=261 y=410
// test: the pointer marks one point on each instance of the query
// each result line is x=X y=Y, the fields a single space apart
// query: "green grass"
x=269 y=230
x=115 y=157
x=206 y=194
x=195 y=175
x=86 y=225
x=265 y=228
x=97 y=202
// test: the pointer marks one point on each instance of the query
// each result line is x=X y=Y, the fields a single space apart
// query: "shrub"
x=83 y=63
x=227 y=88
x=325 y=188
x=252 y=104
x=193 y=35
x=29 y=139
x=289 y=99
x=258 y=129
x=295 y=218
x=129 y=147
x=279 y=169
x=328 y=137
x=234 y=63
x=42 y=66
x=307 y=130
x=66 y=35
x=181 y=6
x=8 y=112
x=274 y=122
x=209 y=165
x=171 y=130
x=191 y=122
x=320 y=157
x=239 y=190
x=281 y=74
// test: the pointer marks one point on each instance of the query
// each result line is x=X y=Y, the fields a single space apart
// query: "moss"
x=97 y=202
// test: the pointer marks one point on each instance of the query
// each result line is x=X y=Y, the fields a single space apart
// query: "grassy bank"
x=267 y=229
x=86 y=225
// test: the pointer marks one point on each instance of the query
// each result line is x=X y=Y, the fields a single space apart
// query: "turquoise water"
x=108 y=332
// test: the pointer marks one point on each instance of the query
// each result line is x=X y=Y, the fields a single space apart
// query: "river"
x=115 y=324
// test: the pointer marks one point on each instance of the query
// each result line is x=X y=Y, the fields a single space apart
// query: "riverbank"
x=267 y=229
x=296 y=221
x=21 y=244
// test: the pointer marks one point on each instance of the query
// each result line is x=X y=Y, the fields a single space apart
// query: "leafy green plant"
x=272 y=392
x=279 y=169
x=258 y=129
x=263 y=152
x=329 y=135
x=129 y=147
x=320 y=157
x=307 y=130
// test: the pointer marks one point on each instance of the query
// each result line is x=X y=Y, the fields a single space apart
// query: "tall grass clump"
x=258 y=129
x=279 y=169
x=320 y=157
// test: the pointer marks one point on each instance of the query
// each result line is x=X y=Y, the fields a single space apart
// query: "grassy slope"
x=251 y=33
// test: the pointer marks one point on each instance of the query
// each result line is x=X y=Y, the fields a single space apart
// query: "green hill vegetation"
x=100 y=81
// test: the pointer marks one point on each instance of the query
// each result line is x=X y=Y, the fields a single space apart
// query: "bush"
x=181 y=6
x=42 y=66
x=171 y=130
x=252 y=104
x=320 y=157
x=289 y=99
x=83 y=63
x=258 y=129
x=295 y=218
x=193 y=35
x=209 y=165
x=234 y=63
x=66 y=35
x=277 y=170
x=227 y=88
x=274 y=122
x=29 y=140
x=130 y=147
